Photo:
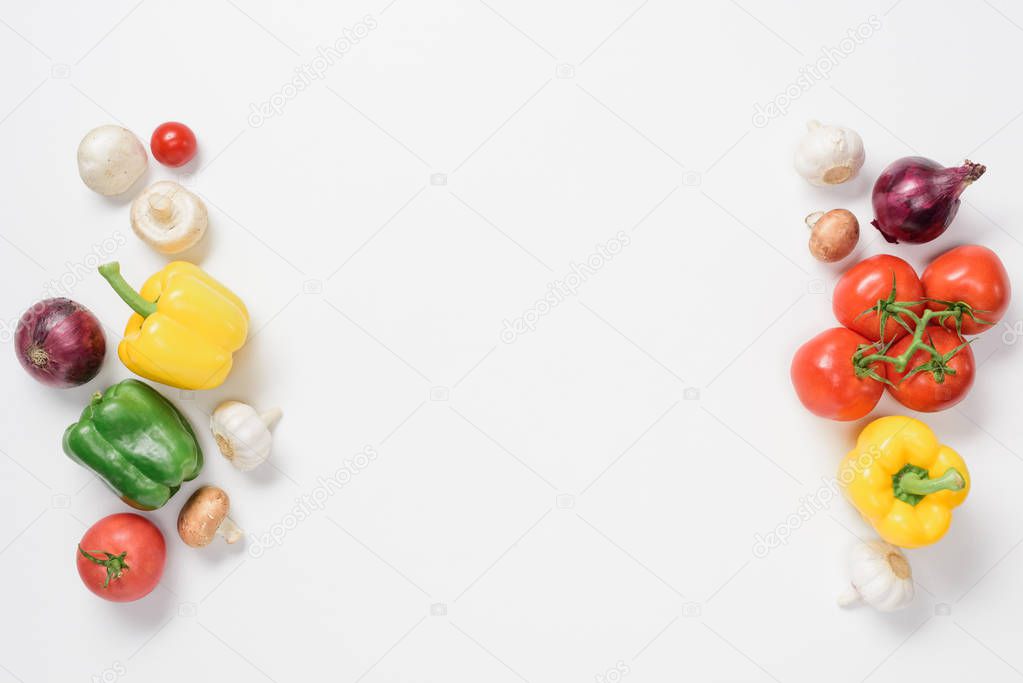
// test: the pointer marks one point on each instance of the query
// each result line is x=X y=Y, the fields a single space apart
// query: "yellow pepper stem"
x=111 y=272
x=911 y=483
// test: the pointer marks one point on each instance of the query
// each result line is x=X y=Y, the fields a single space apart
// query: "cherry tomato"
x=921 y=391
x=825 y=380
x=972 y=274
x=864 y=284
x=173 y=144
x=120 y=558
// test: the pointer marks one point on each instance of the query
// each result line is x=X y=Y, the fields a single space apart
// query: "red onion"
x=915 y=199
x=60 y=343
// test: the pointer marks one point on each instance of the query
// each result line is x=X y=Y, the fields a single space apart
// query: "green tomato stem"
x=921 y=322
x=115 y=564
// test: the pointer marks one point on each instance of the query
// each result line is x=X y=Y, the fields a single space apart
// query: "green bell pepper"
x=137 y=442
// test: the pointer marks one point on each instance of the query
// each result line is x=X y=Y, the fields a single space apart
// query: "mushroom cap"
x=202 y=515
x=111 y=159
x=168 y=217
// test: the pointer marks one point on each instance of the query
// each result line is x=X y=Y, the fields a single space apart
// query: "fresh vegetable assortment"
x=903 y=333
x=183 y=332
x=899 y=332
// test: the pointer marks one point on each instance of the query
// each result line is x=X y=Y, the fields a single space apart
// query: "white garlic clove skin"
x=242 y=434
x=168 y=217
x=829 y=155
x=111 y=159
x=881 y=577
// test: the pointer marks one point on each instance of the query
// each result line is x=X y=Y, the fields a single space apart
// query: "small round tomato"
x=974 y=275
x=173 y=144
x=120 y=558
x=825 y=379
x=870 y=280
x=921 y=391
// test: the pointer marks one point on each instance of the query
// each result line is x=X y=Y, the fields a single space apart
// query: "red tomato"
x=173 y=144
x=825 y=380
x=921 y=392
x=128 y=552
x=864 y=284
x=972 y=274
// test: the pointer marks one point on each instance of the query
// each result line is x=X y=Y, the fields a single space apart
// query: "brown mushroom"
x=833 y=234
x=205 y=516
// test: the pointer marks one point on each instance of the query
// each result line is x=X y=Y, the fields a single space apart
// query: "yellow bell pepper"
x=903 y=481
x=185 y=328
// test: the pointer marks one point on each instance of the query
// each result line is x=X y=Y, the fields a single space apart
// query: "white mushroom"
x=111 y=159
x=168 y=217
x=205 y=516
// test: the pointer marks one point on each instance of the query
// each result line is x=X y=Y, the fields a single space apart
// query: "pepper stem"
x=914 y=483
x=111 y=272
x=115 y=564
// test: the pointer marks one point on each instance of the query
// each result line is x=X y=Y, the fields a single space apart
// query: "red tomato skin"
x=824 y=378
x=973 y=274
x=864 y=284
x=173 y=144
x=146 y=554
x=920 y=392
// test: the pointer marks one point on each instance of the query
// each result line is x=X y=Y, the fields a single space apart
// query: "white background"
x=586 y=496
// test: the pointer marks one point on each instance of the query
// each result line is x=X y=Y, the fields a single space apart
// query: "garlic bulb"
x=881 y=577
x=242 y=434
x=829 y=155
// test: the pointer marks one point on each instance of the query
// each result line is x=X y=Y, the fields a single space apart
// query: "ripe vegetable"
x=867 y=283
x=903 y=481
x=121 y=557
x=111 y=159
x=915 y=199
x=828 y=383
x=185 y=328
x=975 y=276
x=927 y=384
x=205 y=516
x=881 y=577
x=137 y=442
x=173 y=144
x=829 y=155
x=60 y=343
x=833 y=234
x=242 y=434
x=168 y=217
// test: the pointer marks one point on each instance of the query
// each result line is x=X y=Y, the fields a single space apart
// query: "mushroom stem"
x=161 y=208
x=229 y=530
x=812 y=219
x=270 y=417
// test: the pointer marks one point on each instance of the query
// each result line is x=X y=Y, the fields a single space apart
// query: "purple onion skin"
x=60 y=343
x=915 y=199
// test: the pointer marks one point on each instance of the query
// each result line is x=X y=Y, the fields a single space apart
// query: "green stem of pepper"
x=111 y=272
x=115 y=564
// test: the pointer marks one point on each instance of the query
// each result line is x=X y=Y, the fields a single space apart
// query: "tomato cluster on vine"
x=903 y=333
